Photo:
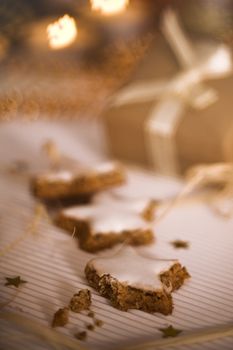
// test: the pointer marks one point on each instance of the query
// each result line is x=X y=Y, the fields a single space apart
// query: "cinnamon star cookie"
x=132 y=281
x=77 y=182
x=109 y=220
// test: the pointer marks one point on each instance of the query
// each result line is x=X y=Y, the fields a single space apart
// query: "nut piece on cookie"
x=80 y=301
x=79 y=182
x=108 y=221
x=133 y=281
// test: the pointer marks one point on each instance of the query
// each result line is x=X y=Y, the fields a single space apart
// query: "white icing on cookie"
x=109 y=214
x=137 y=205
x=69 y=175
x=132 y=269
x=62 y=175
x=106 y=167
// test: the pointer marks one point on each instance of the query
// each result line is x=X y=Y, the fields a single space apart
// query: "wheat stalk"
x=52 y=337
x=209 y=334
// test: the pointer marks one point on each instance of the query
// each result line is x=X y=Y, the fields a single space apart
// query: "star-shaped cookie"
x=132 y=281
x=109 y=220
x=79 y=182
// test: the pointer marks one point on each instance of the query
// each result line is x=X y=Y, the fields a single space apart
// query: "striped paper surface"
x=52 y=264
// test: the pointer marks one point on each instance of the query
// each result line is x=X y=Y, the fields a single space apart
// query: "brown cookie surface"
x=109 y=220
x=133 y=281
x=79 y=182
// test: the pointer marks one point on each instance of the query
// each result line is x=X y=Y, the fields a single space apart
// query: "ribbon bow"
x=187 y=87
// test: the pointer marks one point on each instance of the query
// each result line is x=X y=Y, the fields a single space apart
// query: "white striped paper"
x=53 y=264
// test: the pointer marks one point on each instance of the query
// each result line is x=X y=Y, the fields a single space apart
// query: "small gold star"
x=170 y=331
x=15 y=281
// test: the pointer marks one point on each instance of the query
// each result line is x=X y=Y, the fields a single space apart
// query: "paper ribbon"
x=187 y=87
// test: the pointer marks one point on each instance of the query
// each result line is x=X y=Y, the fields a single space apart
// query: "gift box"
x=177 y=111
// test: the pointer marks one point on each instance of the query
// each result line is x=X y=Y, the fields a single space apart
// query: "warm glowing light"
x=62 y=33
x=109 y=7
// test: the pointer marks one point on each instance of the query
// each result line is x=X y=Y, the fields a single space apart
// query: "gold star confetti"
x=15 y=281
x=170 y=331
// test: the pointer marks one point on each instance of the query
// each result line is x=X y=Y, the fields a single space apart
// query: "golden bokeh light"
x=109 y=7
x=62 y=32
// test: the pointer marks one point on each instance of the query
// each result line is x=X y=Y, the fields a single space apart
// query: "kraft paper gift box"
x=178 y=110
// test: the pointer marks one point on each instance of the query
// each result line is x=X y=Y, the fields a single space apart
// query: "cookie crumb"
x=90 y=327
x=81 y=335
x=99 y=323
x=180 y=244
x=80 y=301
x=61 y=317
x=91 y=314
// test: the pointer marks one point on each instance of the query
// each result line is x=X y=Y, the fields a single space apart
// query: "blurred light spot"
x=62 y=33
x=109 y=7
